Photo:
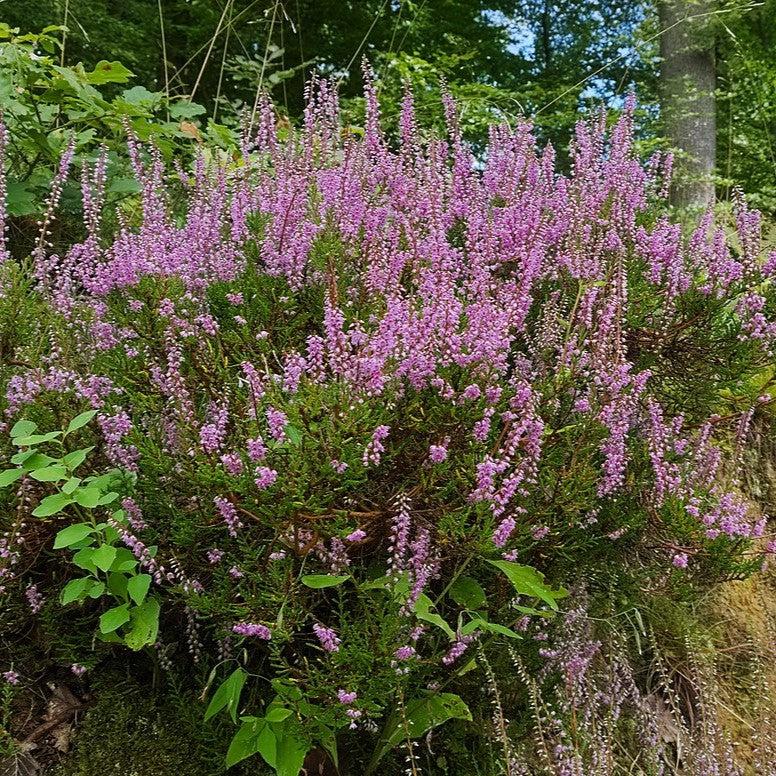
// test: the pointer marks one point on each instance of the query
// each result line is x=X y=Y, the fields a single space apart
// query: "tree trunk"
x=687 y=84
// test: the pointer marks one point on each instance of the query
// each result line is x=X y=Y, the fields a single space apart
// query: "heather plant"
x=377 y=406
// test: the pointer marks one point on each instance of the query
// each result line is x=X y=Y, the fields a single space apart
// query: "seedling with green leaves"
x=111 y=570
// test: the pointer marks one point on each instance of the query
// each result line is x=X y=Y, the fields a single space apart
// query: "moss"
x=132 y=731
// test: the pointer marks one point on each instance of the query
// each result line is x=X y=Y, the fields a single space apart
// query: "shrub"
x=370 y=408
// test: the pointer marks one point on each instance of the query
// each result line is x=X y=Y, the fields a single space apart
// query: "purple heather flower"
x=345 y=697
x=232 y=464
x=357 y=536
x=503 y=531
x=680 y=560
x=339 y=466
x=265 y=477
x=438 y=453
x=11 y=677
x=374 y=449
x=252 y=629
x=406 y=652
x=460 y=645
x=214 y=556
x=229 y=514
x=257 y=450
x=327 y=637
x=78 y=669
x=34 y=598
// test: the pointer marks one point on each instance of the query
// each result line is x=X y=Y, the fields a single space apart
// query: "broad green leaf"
x=36 y=439
x=468 y=592
x=23 y=428
x=75 y=590
x=492 y=627
x=109 y=72
x=318 y=581
x=32 y=460
x=83 y=559
x=277 y=714
x=10 y=476
x=97 y=589
x=423 y=612
x=49 y=474
x=291 y=751
x=104 y=556
x=145 y=625
x=52 y=505
x=76 y=458
x=186 y=110
x=114 y=618
x=528 y=581
x=247 y=742
x=294 y=435
x=71 y=485
x=419 y=717
x=139 y=95
x=87 y=497
x=23 y=457
x=227 y=696
x=117 y=584
x=20 y=201
x=138 y=586
x=72 y=535
x=79 y=421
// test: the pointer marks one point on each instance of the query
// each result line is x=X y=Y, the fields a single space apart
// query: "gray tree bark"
x=687 y=85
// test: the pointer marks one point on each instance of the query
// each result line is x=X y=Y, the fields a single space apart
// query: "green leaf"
x=114 y=618
x=76 y=458
x=36 y=439
x=124 y=186
x=117 y=584
x=492 y=627
x=23 y=428
x=277 y=714
x=250 y=739
x=291 y=752
x=10 y=476
x=83 y=559
x=145 y=625
x=52 y=505
x=186 y=110
x=227 y=695
x=468 y=592
x=419 y=717
x=71 y=485
x=138 y=586
x=72 y=535
x=528 y=581
x=294 y=435
x=423 y=612
x=139 y=95
x=97 y=589
x=79 y=421
x=49 y=474
x=75 y=590
x=104 y=556
x=32 y=460
x=318 y=581
x=87 y=497
x=109 y=73
x=20 y=201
